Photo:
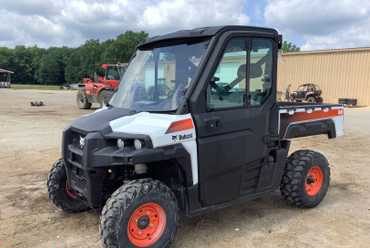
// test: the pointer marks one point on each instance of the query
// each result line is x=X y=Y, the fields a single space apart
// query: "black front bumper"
x=90 y=167
x=87 y=181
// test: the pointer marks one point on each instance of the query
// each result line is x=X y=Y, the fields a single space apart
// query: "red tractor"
x=101 y=88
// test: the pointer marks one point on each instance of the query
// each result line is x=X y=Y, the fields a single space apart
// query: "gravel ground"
x=30 y=141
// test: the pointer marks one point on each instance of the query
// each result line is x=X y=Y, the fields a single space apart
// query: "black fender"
x=303 y=129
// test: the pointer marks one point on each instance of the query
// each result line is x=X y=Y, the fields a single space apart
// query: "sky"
x=311 y=24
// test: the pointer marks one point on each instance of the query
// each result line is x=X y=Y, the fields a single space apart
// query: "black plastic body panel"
x=227 y=150
x=88 y=166
x=258 y=179
x=311 y=128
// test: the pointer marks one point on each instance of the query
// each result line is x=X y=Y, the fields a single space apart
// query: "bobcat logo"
x=182 y=137
x=82 y=142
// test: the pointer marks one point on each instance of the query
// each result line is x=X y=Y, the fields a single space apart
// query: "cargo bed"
x=306 y=119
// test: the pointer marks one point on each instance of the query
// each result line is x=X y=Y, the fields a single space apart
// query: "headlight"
x=138 y=144
x=120 y=143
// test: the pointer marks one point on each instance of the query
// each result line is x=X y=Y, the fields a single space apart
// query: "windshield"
x=157 y=79
x=113 y=73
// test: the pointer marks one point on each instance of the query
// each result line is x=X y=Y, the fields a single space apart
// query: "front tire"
x=59 y=192
x=141 y=213
x=306 y=179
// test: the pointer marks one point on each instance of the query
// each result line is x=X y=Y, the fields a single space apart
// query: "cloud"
x=30 y=29
x=34 y=7
x=322 y=24
x=71 y=22
x=192 y=13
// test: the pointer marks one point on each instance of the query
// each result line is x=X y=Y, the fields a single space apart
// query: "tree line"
x=288 y=47
x=60 y=65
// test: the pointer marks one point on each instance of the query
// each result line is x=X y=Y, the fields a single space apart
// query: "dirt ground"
x=30 y=141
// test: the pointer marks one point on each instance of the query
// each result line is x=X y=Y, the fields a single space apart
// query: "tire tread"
x=121 y=199
x=294 y=175
x=53 y=183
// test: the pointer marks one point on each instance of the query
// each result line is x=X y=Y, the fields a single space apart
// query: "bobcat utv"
x=195 y=127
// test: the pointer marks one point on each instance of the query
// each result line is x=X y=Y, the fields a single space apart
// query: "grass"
x=34 y=87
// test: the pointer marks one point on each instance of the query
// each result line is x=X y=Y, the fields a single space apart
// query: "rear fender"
x=307 y=121
x=296 y=130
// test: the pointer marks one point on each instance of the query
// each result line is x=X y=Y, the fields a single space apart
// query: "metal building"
x=340 y=73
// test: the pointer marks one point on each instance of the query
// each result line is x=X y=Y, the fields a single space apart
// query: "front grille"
x=78 y=181
x=76 y=139
x=74 y=155
x=74 y=147
x=76 y=158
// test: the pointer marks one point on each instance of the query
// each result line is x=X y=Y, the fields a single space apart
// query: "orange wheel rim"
x=314 y=181
x=146 y=225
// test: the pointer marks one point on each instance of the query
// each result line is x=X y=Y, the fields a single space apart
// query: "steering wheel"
x=221 y=91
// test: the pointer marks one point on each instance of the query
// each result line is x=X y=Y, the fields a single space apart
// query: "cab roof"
x=199 y=33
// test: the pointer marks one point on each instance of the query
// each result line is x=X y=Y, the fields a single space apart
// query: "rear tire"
x=141 y=213
x=82 y=100
x=59 y=193
x=306 y=179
